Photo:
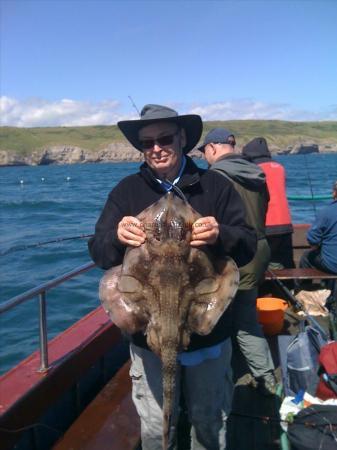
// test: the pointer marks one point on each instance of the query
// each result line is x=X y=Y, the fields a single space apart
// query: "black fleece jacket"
x=209 y=193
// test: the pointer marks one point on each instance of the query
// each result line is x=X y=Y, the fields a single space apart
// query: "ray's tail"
x=169 y=361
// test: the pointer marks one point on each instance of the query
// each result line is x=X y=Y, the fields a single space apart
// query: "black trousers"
x=311 y=259
x=281 y=247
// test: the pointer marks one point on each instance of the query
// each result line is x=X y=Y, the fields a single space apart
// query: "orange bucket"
x=270 y=312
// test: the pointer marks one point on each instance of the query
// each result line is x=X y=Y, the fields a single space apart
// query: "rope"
x=310 y=185
x=29 y=427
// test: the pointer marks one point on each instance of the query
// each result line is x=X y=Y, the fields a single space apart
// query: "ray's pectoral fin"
x=122 y=297
x=213 y=295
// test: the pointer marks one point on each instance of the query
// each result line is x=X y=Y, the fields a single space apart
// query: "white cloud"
x=246 y=109
x=36 y=112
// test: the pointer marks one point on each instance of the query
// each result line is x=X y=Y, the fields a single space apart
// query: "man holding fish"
x=218 y=231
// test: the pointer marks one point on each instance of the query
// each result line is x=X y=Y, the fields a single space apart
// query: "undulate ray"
x=168 y=289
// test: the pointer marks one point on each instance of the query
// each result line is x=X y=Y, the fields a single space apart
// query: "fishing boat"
x=75 y=391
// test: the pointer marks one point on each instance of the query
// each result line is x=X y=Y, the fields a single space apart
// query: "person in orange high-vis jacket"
x=279 y=228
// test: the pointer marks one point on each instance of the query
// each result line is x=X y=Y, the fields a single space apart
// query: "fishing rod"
x=39 y=244
x=296 y=303
x=134 y=105
x=310 y=185
x=71 y=238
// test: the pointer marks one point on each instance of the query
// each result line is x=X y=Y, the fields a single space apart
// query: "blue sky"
x=76 y=62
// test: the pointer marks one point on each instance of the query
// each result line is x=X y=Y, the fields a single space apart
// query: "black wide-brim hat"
x=191 y=123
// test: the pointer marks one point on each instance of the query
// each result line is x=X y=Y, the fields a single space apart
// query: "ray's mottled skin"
x=168 y=289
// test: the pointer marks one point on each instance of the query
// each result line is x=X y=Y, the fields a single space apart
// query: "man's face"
x=209 y=153
x=162 y=147
x=214 y=151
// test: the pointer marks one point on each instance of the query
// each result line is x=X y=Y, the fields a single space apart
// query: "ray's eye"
x=193 y=269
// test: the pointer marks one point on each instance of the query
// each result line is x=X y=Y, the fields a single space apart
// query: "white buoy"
x=42 y=179
x=68 y=178
x=21 y=181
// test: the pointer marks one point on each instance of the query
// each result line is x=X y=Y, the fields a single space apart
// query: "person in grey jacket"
x=250 y=182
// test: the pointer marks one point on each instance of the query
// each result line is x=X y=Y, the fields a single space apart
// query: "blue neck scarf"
x=168 y=186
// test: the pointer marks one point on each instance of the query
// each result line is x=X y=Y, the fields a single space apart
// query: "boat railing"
x=41 y=292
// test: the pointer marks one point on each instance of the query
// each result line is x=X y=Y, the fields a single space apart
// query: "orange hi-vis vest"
x=278 y=212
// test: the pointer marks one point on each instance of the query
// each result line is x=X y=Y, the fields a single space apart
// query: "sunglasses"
x=162 y=141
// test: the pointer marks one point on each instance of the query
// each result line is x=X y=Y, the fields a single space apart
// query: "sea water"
x=44 y=203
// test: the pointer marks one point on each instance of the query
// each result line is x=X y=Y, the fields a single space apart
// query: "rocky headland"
x=116 y=152
x=60 y=154
x=105 y=143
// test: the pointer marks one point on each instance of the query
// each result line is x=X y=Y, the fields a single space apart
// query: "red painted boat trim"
x=26 y=393
x=15 y=383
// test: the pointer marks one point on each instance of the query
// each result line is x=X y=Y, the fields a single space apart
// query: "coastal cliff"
x=114 y=153
x=97 y=144
x=70 y=155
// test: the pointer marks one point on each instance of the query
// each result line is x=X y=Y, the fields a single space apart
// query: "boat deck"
x=111 y=422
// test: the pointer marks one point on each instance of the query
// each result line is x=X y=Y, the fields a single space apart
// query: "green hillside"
x=279 y=133
x=25 y=140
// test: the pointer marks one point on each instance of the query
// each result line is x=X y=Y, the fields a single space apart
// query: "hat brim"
x=191 y=123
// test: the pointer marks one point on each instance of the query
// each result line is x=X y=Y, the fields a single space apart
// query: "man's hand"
x=130 y=231
x=204 y=231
